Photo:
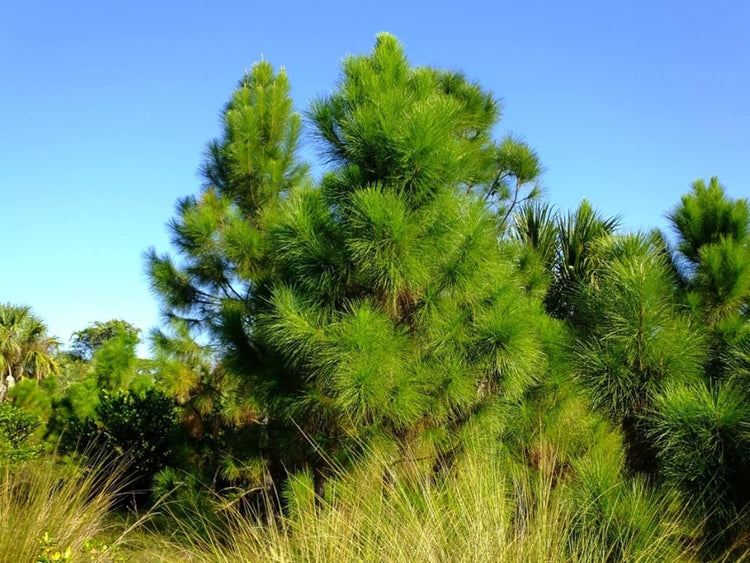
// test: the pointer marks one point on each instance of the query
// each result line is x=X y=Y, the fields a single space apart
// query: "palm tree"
x=573 y=265
x=536 y=225
x=26 y=350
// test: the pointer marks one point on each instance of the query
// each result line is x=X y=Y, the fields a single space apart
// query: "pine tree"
x=377 y=307
x=213 y=292
x=395 y=315
x=221 y=235
x=706 y=216
x=700 y=427
x=714 y=251
x=637 y=340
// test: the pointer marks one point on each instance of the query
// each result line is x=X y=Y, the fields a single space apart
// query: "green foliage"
x=701 y=429
x=138 y=427
x=35 y=397
x=83 y=397
x=706 y=216
x=114 y=363
x=16 y=434
x=254 y=162
x=221 y=235
x=219 y=431
x=676 y=383
x=535 y=225
x=184 y=366
x=415 y=129
x=396 y=312
x=213 y=291
x=703 y=435
x=375 y=306
x=412 y=347
x=578 y=235
x=517 y=166
x=84 y=343
x=714 y=244
x=640 y=340
x=49 y=552
x=384 y=309
x=723 y=278
x=190 y=502
x=73 y=404
x=735 y=332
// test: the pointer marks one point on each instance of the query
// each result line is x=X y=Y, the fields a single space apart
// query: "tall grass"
x=47 y=505
x=485 y=510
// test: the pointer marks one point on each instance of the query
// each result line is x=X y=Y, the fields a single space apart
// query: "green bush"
x=16 y=434
x=35 y=397
x=136 y=426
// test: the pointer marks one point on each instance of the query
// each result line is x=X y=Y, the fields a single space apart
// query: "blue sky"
x=105 y=108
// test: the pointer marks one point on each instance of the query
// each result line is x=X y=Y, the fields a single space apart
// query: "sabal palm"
x=578 y=233
x=536 y=224
x=26 y=350
x=572 y=258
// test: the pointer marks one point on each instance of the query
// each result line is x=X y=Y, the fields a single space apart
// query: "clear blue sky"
x=105 y=108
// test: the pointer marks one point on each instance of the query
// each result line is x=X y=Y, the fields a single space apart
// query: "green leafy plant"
x=16 y=434
x=49 y=552
x=138 y=427
x=377 y=305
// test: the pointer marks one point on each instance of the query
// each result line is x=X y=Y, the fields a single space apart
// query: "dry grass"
x=484 y=511
x=45 y=502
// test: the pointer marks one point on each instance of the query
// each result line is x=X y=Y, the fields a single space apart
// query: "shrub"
x=16 y=430
x=137 y=426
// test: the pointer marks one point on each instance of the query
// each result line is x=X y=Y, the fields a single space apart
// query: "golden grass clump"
x=486 y=509
x=48 y=509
